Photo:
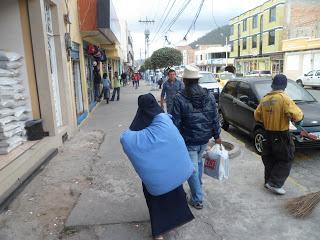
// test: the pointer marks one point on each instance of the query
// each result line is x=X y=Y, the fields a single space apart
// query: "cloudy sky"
x=219 y=11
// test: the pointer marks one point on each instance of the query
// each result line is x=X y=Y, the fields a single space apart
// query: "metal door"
x=53 y=63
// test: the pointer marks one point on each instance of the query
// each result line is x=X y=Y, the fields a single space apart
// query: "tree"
x=165 y=57
x=147 y=64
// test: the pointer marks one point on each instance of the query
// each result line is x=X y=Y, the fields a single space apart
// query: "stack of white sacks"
x=14 y=111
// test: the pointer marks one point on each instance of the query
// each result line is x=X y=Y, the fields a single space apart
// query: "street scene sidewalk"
x=91 y=191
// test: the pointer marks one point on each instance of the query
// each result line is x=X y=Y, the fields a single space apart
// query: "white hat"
x=191 y=72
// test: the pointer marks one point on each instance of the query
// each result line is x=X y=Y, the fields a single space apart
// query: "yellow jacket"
x=276 y=110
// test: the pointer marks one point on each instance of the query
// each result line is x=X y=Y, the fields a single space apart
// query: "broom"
x=303 y=206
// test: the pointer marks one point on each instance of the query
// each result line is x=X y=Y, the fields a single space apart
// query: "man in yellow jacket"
x=275 y=111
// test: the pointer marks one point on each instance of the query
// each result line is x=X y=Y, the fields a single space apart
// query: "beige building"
x=188 y=54
x=302 y=44
x=53 y=37
x=213 y=58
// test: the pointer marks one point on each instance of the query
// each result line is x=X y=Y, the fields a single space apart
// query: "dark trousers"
x=277 y=157
x=116 y=90
x=96 y=91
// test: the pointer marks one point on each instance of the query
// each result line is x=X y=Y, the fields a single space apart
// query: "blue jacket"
x=195 y=115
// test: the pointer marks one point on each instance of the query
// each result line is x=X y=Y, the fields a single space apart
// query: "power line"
x=173 y=21
x=164 y=12
x=169 y=26
x=214 y=19
x=164 y=20
x=194 y=21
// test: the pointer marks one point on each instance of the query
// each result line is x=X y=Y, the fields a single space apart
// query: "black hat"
x=279 y=82
x=147 y=110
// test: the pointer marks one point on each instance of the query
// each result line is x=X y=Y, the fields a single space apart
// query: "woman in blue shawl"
x=169 y=210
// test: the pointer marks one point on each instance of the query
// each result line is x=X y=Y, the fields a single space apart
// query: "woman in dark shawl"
x=169 y=210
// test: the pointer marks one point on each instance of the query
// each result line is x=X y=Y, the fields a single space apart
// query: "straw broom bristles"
x=303 y=206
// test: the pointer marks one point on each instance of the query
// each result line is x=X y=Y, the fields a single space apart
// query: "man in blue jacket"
x=195 y=115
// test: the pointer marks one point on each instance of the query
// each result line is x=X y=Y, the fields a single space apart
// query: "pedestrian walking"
x=96 y=81
x=170 y=88
x=116 y=87
x=195 y=114
x=106 y=87
x=170 y=210
x=160 y=82
x=123 y=78
x=275 y=112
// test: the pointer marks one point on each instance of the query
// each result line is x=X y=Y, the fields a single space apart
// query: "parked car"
x=224 y=77
x=209 y=82
x=312 y=79
x=240 y=97
x=259 y=73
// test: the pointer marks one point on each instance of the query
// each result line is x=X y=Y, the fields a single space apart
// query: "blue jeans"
x=195 y=181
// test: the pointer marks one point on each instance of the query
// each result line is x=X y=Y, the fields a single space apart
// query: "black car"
x=240 y=97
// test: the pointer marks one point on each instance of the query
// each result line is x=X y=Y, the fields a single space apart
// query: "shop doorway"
x=53 y=63
x=75 y=56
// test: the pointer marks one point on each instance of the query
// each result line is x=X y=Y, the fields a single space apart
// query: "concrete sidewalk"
x=90 y=191
x=240 y=208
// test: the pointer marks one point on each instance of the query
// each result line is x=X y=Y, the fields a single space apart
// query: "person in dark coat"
x=170 y=210
x=195 y=115
x=96 y=81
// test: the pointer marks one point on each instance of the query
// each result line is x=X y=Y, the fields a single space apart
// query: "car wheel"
x=300 y=83
x=258 y=139
x=223 y=123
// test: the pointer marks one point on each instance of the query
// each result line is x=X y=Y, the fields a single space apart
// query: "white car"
x=208 y=81
x=259 y=73
x=312 y=79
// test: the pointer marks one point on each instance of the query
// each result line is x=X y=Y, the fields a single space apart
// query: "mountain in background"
x=217 y=36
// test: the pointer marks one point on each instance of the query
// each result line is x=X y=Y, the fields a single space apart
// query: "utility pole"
x=146 y=35
x=226 y=51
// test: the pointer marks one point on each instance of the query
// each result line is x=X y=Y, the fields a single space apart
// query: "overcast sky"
x=134 y=10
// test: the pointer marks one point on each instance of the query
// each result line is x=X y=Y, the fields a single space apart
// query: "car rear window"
x=230 y=88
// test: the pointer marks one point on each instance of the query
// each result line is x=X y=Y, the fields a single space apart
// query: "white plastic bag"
x=8 y=134
x=10 y=65
x=6 y=120
x=11 y=126
x=11 y=89
x=9 y=56
x=11 y=103
x=216 y=163
x=6 y=112
x=8 y=81
x=8 y=73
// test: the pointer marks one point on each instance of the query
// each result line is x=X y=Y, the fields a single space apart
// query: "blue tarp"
x=159 y=155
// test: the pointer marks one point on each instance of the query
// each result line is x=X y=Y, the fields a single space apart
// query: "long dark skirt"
x=167 y=211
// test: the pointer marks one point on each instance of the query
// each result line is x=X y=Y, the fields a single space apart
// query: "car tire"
x=299 y=81
x=223 y=123
x=259 y=135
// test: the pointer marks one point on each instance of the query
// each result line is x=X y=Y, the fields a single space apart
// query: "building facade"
x=213 y=57
x=302 y=43
x=55 y=39
x=256 y=38
x=188 y=54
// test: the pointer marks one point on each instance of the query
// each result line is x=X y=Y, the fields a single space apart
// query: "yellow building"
x=256 y=38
